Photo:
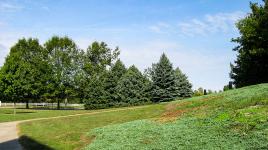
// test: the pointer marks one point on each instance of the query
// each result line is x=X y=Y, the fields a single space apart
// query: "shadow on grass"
x=31 y=144
x=10 y=145
x=27 y=112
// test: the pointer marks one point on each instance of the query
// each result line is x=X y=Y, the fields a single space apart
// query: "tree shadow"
x=10 y=145
x=27 y=112
x=31 y=144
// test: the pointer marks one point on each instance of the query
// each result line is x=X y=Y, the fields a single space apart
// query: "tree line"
x=59 y=71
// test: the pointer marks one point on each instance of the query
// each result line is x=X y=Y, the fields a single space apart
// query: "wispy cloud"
x=209 y=24
x=9 y=7
x=160 y=27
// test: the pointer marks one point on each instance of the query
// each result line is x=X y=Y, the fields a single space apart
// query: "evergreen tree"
x=95 y=92
x=131 y=88
x=97 y=59
x=114 y=75
x=184 y=86
x=251 y=66
x=163 y=81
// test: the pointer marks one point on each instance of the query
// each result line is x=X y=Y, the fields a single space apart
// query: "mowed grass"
x=236 y=119
x=71 y=132
x=7 y=114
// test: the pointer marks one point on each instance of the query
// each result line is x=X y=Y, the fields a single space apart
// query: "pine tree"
x=114 y=75
x=97 y=59
x=131 y=88
x=94 y=92
x=183 y=84
x=163 y=81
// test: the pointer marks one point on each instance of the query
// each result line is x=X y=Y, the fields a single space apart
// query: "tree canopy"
x=251 y=65
x=58 y=71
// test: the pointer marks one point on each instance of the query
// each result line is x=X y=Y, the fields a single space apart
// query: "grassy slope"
x=234 y=119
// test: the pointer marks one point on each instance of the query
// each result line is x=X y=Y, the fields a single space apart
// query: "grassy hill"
x=236 y=119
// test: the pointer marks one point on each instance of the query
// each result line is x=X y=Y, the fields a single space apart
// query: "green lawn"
x=236 y=119
x=7 y=114
x=71 y=132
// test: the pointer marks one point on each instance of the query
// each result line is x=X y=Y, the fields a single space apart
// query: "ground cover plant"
x=235 y=119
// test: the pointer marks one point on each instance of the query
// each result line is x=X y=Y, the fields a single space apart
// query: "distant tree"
x=131 y=88
x=205 y=92
x=113 y=76
x=230 y=85
x=182 y=83
x=163 y=81
x=199 y=92
x=210 y=92
x=251 y=66
x=62 y=57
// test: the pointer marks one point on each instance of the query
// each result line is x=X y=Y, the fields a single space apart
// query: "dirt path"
x=9 y=133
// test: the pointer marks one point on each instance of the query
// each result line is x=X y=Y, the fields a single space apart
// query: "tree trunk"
x=14 y=108
x=58 y=107
x=27 y=104
x=66 y=101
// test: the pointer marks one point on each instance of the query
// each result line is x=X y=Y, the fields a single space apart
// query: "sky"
x=195 y=34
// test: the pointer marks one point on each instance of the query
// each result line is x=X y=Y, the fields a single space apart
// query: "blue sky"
x=195 y=34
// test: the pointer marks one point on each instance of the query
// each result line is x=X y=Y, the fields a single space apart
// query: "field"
x=7 y=114
x=235 y=119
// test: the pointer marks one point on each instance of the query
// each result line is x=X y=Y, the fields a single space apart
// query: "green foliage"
x=59 y=71
x=94 y=96
x=62 y=57
x=22 y=76
x=184 y=86
x=251 y=66
x=113 y=77
x=131 y=88
x=163 y=81
x=199 y=92
x=97 y=59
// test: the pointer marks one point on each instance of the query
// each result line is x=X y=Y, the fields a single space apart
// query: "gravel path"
x=9 y=136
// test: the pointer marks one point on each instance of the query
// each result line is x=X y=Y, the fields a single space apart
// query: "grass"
x=235 y=119
x=71 y=132
x=7 y=114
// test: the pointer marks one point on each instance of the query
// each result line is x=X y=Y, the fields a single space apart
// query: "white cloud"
x=160 y=27
x=9 y=7
x=210 y=24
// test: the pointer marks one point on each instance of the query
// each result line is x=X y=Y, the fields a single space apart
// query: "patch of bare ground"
x=174 y=111
x=86 y=140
